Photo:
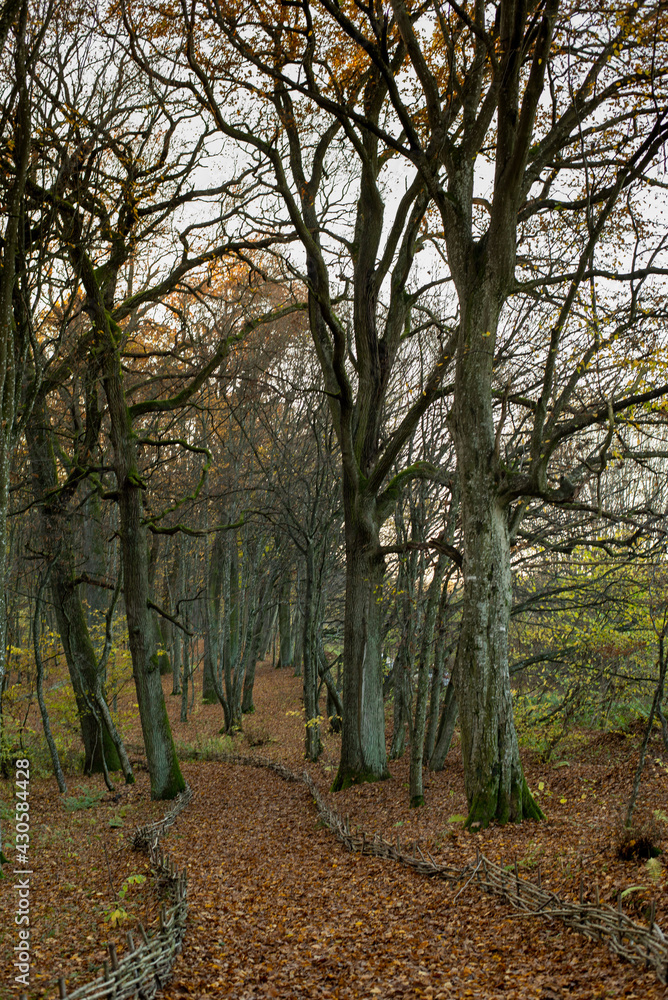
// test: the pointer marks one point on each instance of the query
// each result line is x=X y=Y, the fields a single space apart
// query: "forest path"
x=279 y=909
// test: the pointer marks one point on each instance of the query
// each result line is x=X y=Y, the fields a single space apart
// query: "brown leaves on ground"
x=279 y=909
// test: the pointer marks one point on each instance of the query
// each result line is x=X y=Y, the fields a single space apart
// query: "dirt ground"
x=279 y=909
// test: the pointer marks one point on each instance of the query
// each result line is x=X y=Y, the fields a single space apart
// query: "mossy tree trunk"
x=14 y=328
x=166 y=778
x=95 y=554
x=71 y=619
x=165 y=773
x=495 y=785
x=164 y=770
x=363 y=753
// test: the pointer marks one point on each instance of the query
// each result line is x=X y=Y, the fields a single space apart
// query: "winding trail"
x=279 y=909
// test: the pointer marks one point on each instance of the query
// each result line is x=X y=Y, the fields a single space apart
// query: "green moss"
x=174 y=783
x=482 y=810
x=164 y=664
x=110 y=752
x=94 y=764
x=348 y=776
x=417 y=801
x=530 y=808
x=489 y=805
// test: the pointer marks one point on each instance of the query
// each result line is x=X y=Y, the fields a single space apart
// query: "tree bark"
x=285 y=656
x=215 y=564
x=260 y=614
x=175 y=588
x=421 y=697
x=495 y=785
x=401 y=686
x=310 y=685
x=95 y=559
x=440 y=659
x=13 y=349
x=71 y=621
x=46 y=725
x=166 y=778
x=363 y=753
x=158 y=633
x=298 y=628
x=446 y=728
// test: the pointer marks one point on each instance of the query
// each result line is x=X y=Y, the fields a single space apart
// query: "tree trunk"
x=82 y=663
x=13 y=335
x=176 y=662
x=266 y=585
x=158 y=634
x=175 y=591
x=363 y=753
x=424 y=668
x=285 y=656
x=46 y=725
x=185 y=675
x=94 y=553
x=247 y=704
x=401 y=685
x=310 y=685
x=267 y=629
x=441 y=653
x=495 y=785
x=446 y=728
x=402 y=668
x=434 y=704
x=71 y=619
x=212 y=630
x=298 y=628
x=231 y=641
x=212 y=619
x=163 y=765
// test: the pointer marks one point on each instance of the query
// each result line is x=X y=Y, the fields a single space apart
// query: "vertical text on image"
x=22 y=873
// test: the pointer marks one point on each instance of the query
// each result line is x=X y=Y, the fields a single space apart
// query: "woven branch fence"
x=631 y=941
x=146 y=966
x=142 y=971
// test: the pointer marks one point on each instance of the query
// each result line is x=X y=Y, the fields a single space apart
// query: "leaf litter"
x=279 y=909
